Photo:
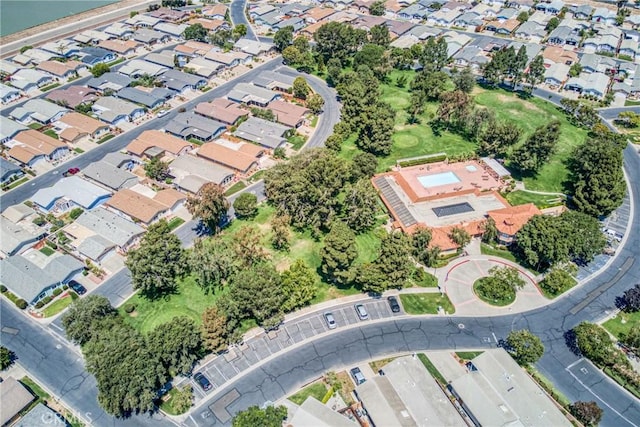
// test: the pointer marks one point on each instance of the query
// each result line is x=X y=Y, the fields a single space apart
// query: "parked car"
x=393 y=303
x=162 y=113
x=203 y=381
x=361 y=311
x=356 y=373
x=77 y=287
x=331 y=321
x=71 y=171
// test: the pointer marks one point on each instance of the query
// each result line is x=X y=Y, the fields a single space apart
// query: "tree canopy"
x=537 y=149
x=338 y=40
x=210 y=205
x=177 y=344
x=338 y=253
x=283 y=38
x=246 y=205
x=254 y=416
x=524 y=346
x=195 y=32
x=80 y=320
x=258 y=294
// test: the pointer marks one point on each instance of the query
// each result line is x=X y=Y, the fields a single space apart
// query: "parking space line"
x=221 y=374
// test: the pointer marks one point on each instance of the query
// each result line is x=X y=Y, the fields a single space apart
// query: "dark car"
x=393 y=303
x=71 y=171
x=77 y=287
x=203 y=381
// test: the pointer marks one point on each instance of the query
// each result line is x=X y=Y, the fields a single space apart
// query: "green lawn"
x=622 y=323
x=501 y=253
x=105 y=138
x=491 y=301
x=317 y=390
x=297 y=141
x=432 y=369
x=426 y=303
x=51 y=133
x=47 y=251
x=167 y=403
x=35 y=126
x=60 y=304
x=78 y=150
x=468 y=355
x=49 y=87
x=17 y=182
x=175 y=223
x=520 y=197
x=235 y=188
x=190 y=301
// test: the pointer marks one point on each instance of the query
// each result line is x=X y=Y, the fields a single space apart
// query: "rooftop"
x=263 y=132
x=192 y=172
x=13 y=398
x=73 y=188
x=109 y=175
x=108 y=224
x=157 y=138
x=228 y=156
x=221 y=109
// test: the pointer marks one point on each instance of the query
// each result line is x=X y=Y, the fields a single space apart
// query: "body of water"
x=18 y=15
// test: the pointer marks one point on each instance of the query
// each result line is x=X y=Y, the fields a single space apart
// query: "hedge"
x=3 y=288
x=21 y=304
x=57 y=292
x=423 y=161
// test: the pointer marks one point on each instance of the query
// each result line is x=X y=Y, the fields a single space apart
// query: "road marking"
x=221 y=374
x=626 y=266
x=494 y=337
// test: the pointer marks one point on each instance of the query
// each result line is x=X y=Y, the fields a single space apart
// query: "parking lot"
x=239 y=358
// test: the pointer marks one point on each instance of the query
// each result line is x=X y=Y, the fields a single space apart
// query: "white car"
x=162 y=113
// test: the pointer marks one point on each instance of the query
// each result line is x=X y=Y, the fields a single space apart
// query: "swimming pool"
x=437 y=179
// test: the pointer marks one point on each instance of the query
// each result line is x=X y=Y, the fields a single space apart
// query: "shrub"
x=75 y=213
x=57 y=292
x=65 y=287
x=21 y=304
x=39 y=221
x=129 y=307
x=51 y=244
x=39 y=304
x=424 y=160
x=46 y=300
x=3 y=288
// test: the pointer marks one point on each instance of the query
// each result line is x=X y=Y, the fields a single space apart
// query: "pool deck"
x=473 y=176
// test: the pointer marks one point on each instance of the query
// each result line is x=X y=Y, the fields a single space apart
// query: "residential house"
x=8 y=68
x=96 y=55
x=215 y=11
x=443 y=18
x=504 y=28
x=632 y=21
x=191 y=173
x=318 y=14
x=583 y=12
x=415 y=11
x=119 y=30
x=92 y=37
x=469 y=20
x=470 y=56
x=192 y=49
x=229 y=59
x=602 y=43
x=62 y=48
x=154 y=143
x=9 y=129
x=506 y=14
x=211 y=24
x=232 y=155
x=39 y=415
x=604 y=15
x=531 y=31
x=9 y=171
x=268 y=21
x=27 y=79
x=62 y=70
x=121 y=47
x=553 y=8
x=593 y=84
x=14 y=398
x=404 y=42
x=32 y=282
x=72 y=96
x=532 y=49
x=109 y=176
x=168 y=14
x=123 y=233
x=288 y=114
x=628 y=47
x=510 y=220
x=194 y=126
x=222 y=110
x=558 y=55
x=204 y=68
x=556 y=74
x=38 y=110
x=74 y=126
x=455 y=41
x=564 y=35
x=274 y=81
x=8 y=94
x=173 y=30
x=296 y=22
x=69 y=193
x=263 y=132
x=143 y=21
x=17 y=238
x=135 y=206
x=592 y=63
x=149 y=37
x=137 y=68
x=181 y=82
x=115 y=110
x=398 y=28
x=141 y=97
x=33 y=56
x=261 y=10
x=253 y=47
x=165 y=58
x=109 y=81
x=246 y=93
x=31 y=146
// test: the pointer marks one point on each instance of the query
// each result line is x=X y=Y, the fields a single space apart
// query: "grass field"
x=235 y=188
x=47 y=251
x=468 y=355
x=432 y=369
x=426 y=303
x=622 y=323
x=501 y=253
x=317 y=390
x=60 y=304
x=541 y=201
x=167 y=404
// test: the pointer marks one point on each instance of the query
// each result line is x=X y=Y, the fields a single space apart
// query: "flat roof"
x=13 y=398
x=313 y=413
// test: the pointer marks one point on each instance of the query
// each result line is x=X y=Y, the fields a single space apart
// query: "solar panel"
x=394 y=201
x=456 y=209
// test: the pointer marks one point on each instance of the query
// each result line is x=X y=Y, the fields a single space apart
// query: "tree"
x=364 y=165
x=376 y=128
x=557 y=281
x=459 y=236
x=83 y=316
x=379 y=34
x=157 y=262
x=523 y=17
x=338 y=253
x=535 y=74
x=631 y=298
x=538 y=148
x=214 y=329
x=254 y=416
x=239 y=31
x=525 y=347
x=210 y=205
x=501 y=284
x=575 y=70
x=375 y=57
x=394 y=262
x=299 y=286
x=156 y=169
x=315 y=103
x=552 y=24
x=498 y=138
x=283 y=38
x=594 y=343
x=420 y=240
x=490 y=233
x=281 y=238
x=516 y=68
x=195 y=32
x=454 y=111
x=182 y=399
x=177 y=344
x=301 y=88
x=628 y=119
x=464 y=81
x=598 y=186
x=6 y=358
x=377 y=8
x=434 y=54
x=99 y=69
x=212 y=262
x=632 y=338
x=247 y=246
x=338 y=40
x=257 y=291
x=360 y=206
x=246 y=205
x=588 y=413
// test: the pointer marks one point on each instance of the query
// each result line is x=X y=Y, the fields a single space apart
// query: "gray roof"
x=246 y=92
x=164 y=58
x=146 y=35
x=6 y=167
x=39 y=416
x=9 y=128
x=270 y=79
x=176 y=80
x=532 y=28
x=83 y=193
x=110 y=176
x=13 y=398
x=16 y=213
x=140 y=97
x=110 y=226
x=118 y=159
x=312 y=413
x=263 y=132
x=192 y=172
x=28 y=281
x=111 y=107
x=138 y=67
x=188 y=125
x=175 y=30
x=113 y=81
x=14 y=237
x=39 y=109
x=95 y=246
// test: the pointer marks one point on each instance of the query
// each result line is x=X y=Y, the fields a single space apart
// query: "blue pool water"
x=437 y=179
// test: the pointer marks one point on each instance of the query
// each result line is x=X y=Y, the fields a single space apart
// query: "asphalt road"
x=612 y=113
x=237 y=13
x=578 y=379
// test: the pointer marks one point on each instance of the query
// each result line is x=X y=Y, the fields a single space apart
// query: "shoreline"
x=60 y=22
